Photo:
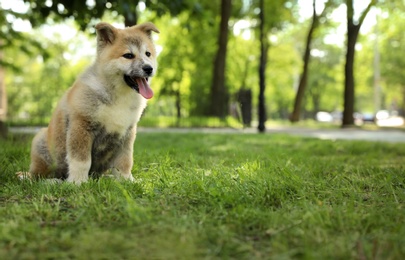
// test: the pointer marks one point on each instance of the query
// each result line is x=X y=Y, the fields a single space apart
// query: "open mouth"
x=141 y=85
x=131 y=82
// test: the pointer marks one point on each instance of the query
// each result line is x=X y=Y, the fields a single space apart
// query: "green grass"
x=214 y=196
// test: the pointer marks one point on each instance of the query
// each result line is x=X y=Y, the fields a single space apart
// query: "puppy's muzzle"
x=147 y=69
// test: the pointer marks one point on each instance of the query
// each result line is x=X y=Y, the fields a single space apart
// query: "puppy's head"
x=127 y=56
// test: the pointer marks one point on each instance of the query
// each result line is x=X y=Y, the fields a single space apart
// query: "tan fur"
x=94 y=125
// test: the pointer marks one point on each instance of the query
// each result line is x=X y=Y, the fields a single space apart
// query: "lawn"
x=214 y=196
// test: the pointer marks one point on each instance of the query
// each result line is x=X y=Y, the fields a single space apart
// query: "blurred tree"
x=273 y=15
x=316 y=18
x=3 y=101
x=10 y=38
x=267 y=18
x=392 y=63
x=262 y=117
x=219 y=95
x=353 y=29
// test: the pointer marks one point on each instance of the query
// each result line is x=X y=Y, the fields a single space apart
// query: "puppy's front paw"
x=77 y=180
x=123 y=176
x=78 y=171
x=130 y=178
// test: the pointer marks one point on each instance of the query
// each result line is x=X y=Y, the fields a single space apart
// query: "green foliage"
x=325 y=83
x=215 y=196
x=364 y=76
x=33 y=92
x=86 y=13
x=283 y=62
x=10 y=38
x=185 y=61
x=278 y=13
x=391 y=37
x=187 y=46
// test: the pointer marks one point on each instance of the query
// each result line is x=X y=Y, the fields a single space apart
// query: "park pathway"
x=381 y=135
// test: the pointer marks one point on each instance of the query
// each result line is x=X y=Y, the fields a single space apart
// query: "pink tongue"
x=144 y=88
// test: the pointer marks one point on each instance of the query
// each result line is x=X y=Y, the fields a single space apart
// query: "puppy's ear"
x=147 y=28
x=105 y=34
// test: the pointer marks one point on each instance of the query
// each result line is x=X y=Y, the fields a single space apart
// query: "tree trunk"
x=218 y=90
x=262 y=72
x=178 y=104
x=402 y=107
x=349 y=91
x=245 y=103
x=352 y=35
x=295 y=115
x=3 y=101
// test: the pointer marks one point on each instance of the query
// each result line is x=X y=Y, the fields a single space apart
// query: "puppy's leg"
x=78 y=145
x=40 y=156
x=124 y=160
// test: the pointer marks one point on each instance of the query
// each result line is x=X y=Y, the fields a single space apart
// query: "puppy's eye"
x=128 y=56
x=147 y=54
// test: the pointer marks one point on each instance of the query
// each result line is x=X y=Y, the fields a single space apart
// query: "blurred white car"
x=386 y=118
x=323 y=116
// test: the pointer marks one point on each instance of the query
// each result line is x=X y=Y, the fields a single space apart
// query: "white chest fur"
x=124 y=112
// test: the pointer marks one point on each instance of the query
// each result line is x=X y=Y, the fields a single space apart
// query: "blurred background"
x=222 y=63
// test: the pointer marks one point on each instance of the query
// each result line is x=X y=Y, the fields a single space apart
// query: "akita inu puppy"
x=93 y=127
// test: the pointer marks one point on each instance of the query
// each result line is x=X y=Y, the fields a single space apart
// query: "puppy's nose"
x=147 y=69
